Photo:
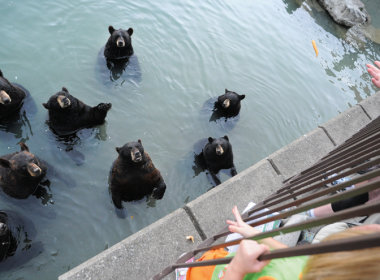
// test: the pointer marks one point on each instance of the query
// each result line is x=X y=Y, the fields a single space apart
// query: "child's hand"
x=240 y=226
x=375 y=73
x=245 y=260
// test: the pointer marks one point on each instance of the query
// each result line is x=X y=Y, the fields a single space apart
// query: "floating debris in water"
x=315 y=47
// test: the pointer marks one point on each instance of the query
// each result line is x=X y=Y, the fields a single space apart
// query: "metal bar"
x=337 y=197
x=347 y=244
x=336 y=167
x=280 y=199
x=320 y=183
x=354 y=141
x=357 y=211
x=341 y=159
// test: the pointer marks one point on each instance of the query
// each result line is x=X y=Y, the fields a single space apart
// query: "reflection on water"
x=21 y=246
x=120 y=70
x=70 y=142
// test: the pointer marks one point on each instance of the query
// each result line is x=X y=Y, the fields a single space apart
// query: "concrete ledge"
x=372 y=105
x=143 y=254
x=301 y=153
x=253 y=184
x=346 y=124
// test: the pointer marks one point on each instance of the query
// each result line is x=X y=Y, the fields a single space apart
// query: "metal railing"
x=299 y=193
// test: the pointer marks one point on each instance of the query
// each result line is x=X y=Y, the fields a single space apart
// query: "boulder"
x=346 y=12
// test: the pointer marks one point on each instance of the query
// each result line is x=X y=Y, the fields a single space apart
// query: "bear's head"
x=24 y=163
x=230 y=99
x=62 y=100
x=219 y=145
x=5 y=90
x=132 y=151
x=120 y=38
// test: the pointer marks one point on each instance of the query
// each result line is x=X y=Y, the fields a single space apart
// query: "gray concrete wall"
x=155 y=247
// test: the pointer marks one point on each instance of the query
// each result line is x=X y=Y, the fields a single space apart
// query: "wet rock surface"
x=346 y=12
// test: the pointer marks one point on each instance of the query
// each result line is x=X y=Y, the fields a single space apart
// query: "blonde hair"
x=348 y=265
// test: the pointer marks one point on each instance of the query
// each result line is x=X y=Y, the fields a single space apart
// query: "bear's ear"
x=111 y=29
x=241 y=97
x=118 y=150
x=65 y=89
x=1 y=74
x=45 y=105
x=130 y=31
x=210 y=139
x=226 y=91
x=139 y=141
x=5 y=163
x=226 y=137
x=24 y=147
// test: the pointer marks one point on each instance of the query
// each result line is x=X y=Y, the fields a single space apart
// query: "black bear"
x=11 y=96
x=16 y=235
x=218 y=155
x=119 y=44
x=21 y=172
x=118 y=56
x=230 y=102
x=134 y=176
x=17 y=109
x=67 y=114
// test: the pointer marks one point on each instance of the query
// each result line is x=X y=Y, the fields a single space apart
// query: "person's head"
x=358 y=264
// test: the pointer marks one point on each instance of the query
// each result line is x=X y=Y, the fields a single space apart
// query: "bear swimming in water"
x=218 y=155
x=20 y=173
x=134 y=175
x=118 y=57
x=11 y=96
x=229 y=102
x=67 y=114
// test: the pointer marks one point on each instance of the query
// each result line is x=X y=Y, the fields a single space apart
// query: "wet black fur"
x=16 y=94
x=131 y=180
x=235 y=106
x=19 y=183
x=217 y=162
x=75 y=117
x=112 y=51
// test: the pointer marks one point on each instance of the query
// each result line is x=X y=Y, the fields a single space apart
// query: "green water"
x=188 y=53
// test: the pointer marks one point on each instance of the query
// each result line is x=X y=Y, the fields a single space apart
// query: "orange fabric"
x=205 y=272
x=266 y=278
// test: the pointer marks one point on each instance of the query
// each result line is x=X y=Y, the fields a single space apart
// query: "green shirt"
x=277 y=269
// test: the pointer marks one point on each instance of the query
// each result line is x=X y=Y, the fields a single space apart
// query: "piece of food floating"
x=190 y=238
x=315 y=47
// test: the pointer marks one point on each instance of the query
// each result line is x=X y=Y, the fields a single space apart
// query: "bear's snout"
x=63 y=101
x=136 y=155
x=219 y=150
x=226 y=103
x=120 y=42
x=4 y=98
x=34 y=170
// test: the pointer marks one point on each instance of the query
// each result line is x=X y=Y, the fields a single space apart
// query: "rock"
x=346 y=12
x=356 y=37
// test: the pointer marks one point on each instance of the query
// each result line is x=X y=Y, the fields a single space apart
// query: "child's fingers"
x=232 y=223
x=237 y=215
x=374 y=68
